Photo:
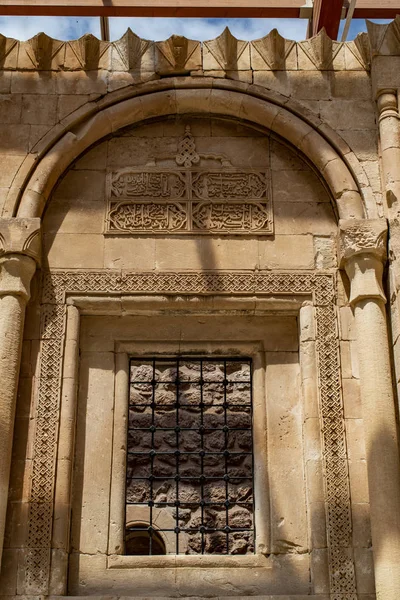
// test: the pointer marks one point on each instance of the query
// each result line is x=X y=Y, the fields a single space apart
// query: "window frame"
x=124 y=351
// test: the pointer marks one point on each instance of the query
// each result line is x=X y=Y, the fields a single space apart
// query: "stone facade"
x=216 y=200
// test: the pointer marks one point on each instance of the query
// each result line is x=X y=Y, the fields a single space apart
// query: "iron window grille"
x=190 y=453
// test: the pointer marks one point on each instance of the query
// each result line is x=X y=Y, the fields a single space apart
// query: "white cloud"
x=61 y=28
x=69 y=28
x=206 y=29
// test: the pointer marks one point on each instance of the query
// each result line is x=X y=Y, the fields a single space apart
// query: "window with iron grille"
x=190 y=456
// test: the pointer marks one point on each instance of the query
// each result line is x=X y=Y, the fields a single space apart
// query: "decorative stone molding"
x=20 y=236
x=86 y=53
x=134 y=53
x=321 y=50
x=8 y=52
x=271 y=51
x=59 y=285
x=178 y=55
x=362 y=248
x=226 y=52
x=363 y=49
x=40 y=51
x=384 y=39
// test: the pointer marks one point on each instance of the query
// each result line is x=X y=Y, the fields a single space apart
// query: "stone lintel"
x=362 y=251
x=20 y=236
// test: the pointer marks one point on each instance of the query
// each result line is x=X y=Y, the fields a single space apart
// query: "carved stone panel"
x=189 y=198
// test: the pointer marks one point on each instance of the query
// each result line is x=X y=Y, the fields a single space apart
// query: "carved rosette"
x=362 y=248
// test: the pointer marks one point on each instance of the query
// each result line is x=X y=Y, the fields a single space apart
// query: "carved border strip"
x=58 y=284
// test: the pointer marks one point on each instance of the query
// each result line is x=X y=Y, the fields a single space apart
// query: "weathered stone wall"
x=46 y=85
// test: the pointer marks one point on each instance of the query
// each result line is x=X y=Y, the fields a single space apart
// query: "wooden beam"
x=326 y=10
x=154 y=8
x=373 y=9
x=327 y=13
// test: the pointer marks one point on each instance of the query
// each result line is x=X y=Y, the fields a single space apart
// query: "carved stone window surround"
x=125 y=349
x=58 y=285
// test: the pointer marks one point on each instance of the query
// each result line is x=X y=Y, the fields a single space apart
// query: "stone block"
x=312 y=439
x=10 y=108
x=9 y=570
x=5 y=82
x=94 y=160
x=36 y=135
x=284 y=159
x=363 y=142
x=68 y=103
x=317 y=524
x=320 y=571
x=355 y=439
x=273 y=80
x=35 y=82
x=78 y=215
x=206 y=253
x=73 y=251
x=14 y=139
x=287 y=252
x=346 y=323
x=361 y=525
x=358 y=481
x=297 y=186
x=10 y=165
x=94 y=443
x=81 y=82
x=126 y=252
x=84 y=185
x=352 y=399
x=364 y=563
x=325 y=252
x=347 y=84
x=348 y=114
x=39 y=110
x=310 y=85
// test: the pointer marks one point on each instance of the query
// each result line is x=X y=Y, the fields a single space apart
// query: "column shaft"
x=381 y=444
x=15 y=280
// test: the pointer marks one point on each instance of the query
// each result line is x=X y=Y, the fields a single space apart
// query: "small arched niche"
x=142 y=540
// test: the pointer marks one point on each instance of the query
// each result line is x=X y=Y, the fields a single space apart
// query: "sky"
x=69 y=28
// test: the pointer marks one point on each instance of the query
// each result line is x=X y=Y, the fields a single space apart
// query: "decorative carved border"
x=58 y=284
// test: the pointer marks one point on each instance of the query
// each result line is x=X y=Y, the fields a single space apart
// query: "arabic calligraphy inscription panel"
x=184 y=200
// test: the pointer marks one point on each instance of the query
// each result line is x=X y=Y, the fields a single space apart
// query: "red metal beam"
x=327 y=13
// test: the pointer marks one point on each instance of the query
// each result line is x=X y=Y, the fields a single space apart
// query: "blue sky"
x=68 y=28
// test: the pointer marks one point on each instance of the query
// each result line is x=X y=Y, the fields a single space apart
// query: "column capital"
x=20 y=236
x=387 y=102
x=362 y=252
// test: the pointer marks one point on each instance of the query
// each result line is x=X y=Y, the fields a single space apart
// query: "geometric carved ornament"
x=189 y=200
x=57 y=285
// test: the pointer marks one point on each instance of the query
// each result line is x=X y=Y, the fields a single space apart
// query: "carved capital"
x=16 y=272
x=362 y=250
x=387 y=104
x=20 y=236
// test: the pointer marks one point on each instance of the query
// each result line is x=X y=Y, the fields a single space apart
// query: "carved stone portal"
x=187 y=200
